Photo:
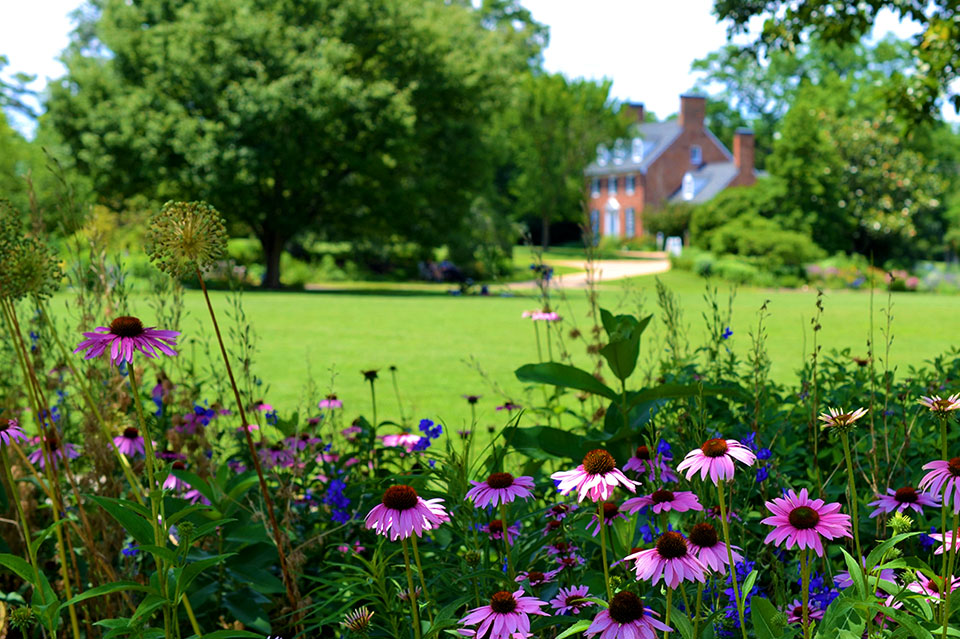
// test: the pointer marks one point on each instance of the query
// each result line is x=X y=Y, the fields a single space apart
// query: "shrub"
x=671 y=220
x=775 y=248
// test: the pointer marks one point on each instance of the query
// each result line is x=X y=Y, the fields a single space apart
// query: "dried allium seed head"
x=27 y=265
x=184 y=236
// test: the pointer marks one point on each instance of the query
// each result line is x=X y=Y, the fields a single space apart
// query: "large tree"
x=355 y=118
x=555 y=125
x=787 y=24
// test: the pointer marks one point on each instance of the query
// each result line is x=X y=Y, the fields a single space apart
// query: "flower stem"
x=943 y=530
x=696 y=618
x=289 y=583
x=413 y=593
x=603 y=550
x=853 y=502
x=506 y=540
x=666 y=619
x=946 y=588
x=23 y=524
x=805 y=591
x=732 y=567
x=416 y=558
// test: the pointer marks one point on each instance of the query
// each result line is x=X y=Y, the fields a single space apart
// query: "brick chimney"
x=743 y=150
x=693 y=108
x=637 y=109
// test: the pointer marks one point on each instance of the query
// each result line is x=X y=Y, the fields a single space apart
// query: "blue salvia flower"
x=762 y=474
x=764 y=454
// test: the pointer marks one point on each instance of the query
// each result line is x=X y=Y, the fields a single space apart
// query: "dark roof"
x=657 y=137
x=708 y=180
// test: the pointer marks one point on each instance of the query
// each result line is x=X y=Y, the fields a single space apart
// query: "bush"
x=764 y=199
x=671 y=220
x=776 y=249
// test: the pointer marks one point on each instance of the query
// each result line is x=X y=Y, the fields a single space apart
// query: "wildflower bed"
x=685 y=496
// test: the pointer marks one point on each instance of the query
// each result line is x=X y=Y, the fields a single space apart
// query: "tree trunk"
x=272 y=244
x=545 y=233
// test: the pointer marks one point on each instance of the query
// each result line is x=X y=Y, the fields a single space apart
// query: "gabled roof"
x=708 y=180
x=657 y=137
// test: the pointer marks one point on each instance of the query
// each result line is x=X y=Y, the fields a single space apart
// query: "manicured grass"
x=429 y=336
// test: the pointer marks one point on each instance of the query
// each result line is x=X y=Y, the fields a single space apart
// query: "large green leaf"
x=538 y=441
x=623 y=349
x=107 y=589
x=138 y=527
x=565 y=376
x=765 y=619
x=576 y=628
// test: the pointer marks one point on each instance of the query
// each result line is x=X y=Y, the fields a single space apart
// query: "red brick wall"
x=635 y=201
x=666 y=173
x=743 y=157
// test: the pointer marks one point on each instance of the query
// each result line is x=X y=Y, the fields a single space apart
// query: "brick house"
x=678 y=161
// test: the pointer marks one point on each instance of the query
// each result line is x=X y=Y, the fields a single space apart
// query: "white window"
x=595 y=222
x=630 y=184
x=636 y=150
x=630 y=222
x=612 y=222
x=696 y=155
x=595 y=187
x=689 y=186
x=612 y=186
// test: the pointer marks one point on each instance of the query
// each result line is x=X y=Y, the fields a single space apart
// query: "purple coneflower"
x=509 y=407
x=262 y=407
x=249 y=428
x=537 y=578
x=716 y=458
x=931 y=587
x=843 y=580
x=595 y=478
x=902 y=498
x=10 y=431
x=836 y=418
x=506 y=614
x=276 y=455
x=495 y=530
x=406 y=440
x=499 y=488
x=802 y=521
x=943 y=478
x=472 y=399
x=946 y=541
x=172 y=482
x=941 y=406
x=560 y=511
x=706 y=546
x=671 y=560
x=795 y=612
x=193 y=496
x=562 y=549
x=302 y=441
x=611 y=512
x=571 y=600
x=330 y=401
x=358 y=621
x=57 y=450
x=552 y=526
x=641 y=463
x=124 y=336
x=664 y=501
x=626 y=618
x=130 y=442
x=403 y=512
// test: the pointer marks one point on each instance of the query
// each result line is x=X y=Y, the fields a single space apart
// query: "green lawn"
x=428 y=336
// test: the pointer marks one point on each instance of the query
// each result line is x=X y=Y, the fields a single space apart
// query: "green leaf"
x=877 y=553
x=106 y=589
x=192 y=570
x=227 y=634
x=196 y=482
x=538 y=441
x=856 y=574
x=149 y=604
x=138 y=527
x=22 y=568
x=578 y=627
x=681 y=623
x=167 y=554
x=564 y=376
x=748 y=582
x=763 y=616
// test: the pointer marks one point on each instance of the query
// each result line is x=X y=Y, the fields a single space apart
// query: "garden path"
x=606 y=270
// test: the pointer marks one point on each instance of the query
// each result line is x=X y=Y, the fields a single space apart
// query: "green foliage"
x=764 y=239
x=672 y=219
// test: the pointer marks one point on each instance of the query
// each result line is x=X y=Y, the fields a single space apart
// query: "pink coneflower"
x=130 y=442
x=406 y=440
x=545 y=316
x=671 y=560
x=499 y=488
x=795 y=612
x=946 y=541
x=262 y=407
x=346 y=548
x=509 y=407
x=330 y=402
x=276 y=455
x=931 y=587
x=172 y=482
x=560 y=511
x=641 y=463
x=562 y=549
x=193 y=496
x=943 y=478
x=570 y=561
x=901 y=499
x=302 y=441
x=941 y=406
x=611 y=512
x=836 y=418
x=124 y=336
x=843 y=580
x=571 y=600
x=56 y=448
x=472 y=399
x=706 y=546
x=10 y=431
x=351 y=432
x=536 y=578
x=595 y=478
x=626 y=618
x=249 y=428
x=715 y=458
x=495 y=530
x=713 y=512
x=664 y=501
x=506 y=614
x=403 y=512
x=552 y=526
x=802 y=521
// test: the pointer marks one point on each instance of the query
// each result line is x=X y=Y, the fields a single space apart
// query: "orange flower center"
x=599 y=462
x=126 y=326
x=626 y=607
x=672 y=545
x=661 y=496
x=131 y=433
x=906 y=495
x=400 y=497
x=704 y=535
x=503 y=602
x=715 y=448
x=642 y=453
x=500 y=480
x=804 y=518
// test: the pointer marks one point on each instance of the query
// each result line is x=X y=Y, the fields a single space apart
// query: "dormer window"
x=603 y=155
x=636 y=150
x=619 y=152
x=689 y=187
x=612 y=186
x=696 y=155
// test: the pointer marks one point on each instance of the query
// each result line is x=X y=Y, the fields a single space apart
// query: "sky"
x=645 y=46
